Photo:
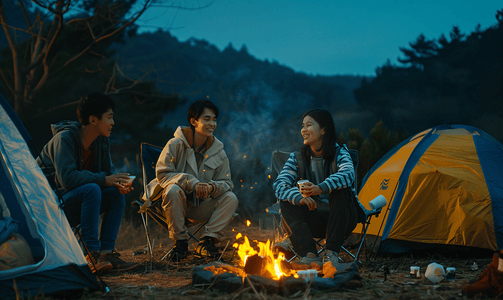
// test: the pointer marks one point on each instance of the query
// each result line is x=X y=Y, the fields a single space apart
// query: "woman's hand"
x=309 y=189
x=202 y=190
x=311 y=204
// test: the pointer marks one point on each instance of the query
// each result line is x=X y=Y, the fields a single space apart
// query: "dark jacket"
x=61 y=158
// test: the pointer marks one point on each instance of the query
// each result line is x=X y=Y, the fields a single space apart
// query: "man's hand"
x=125 y=189
x=311 y=204
x=202 y=190
x=116 y=179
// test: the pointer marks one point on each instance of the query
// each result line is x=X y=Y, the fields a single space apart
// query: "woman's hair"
x=324 y=119
x=196 y=109
x=95 y=104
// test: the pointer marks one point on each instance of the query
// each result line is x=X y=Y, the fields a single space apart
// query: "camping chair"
x=278 y=160
x=149 y=155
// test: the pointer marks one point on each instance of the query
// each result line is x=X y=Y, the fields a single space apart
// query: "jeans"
x=85 y=204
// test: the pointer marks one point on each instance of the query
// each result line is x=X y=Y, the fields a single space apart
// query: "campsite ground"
x=158 y=279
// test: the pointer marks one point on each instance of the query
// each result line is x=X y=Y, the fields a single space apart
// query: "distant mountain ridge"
x=233 y=79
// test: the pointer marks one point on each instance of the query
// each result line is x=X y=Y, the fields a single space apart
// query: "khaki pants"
x=218 y=211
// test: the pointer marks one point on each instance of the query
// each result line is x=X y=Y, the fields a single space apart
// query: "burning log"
x=255 y=265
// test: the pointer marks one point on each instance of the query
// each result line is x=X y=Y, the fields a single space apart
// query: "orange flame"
x=248 y=223
x=273 y=265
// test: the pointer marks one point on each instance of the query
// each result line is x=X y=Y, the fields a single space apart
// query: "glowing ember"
x=248 y=223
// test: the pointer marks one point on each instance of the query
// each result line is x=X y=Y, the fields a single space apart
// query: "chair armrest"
x=374 y=212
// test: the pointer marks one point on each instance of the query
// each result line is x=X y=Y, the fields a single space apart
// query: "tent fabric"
x=26 y=196
x=444 y=187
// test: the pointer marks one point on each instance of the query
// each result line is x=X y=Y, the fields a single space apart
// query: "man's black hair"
x=196 y=109
x=94 y=104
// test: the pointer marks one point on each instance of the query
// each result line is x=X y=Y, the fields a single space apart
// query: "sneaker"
x=117 y=263
x=96 y=263
x=179 y=252
x=310 y=258
x=206 y=247
x=333 y=257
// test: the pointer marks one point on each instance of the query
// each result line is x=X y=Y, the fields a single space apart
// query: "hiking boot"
x=310 y=258
x=117 y=263
x=206 y=247
x=179 y=251
x=96 y=263
x=333 y=257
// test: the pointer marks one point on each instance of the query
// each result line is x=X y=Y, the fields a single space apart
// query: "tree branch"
x=6 y=82
x=54 y=108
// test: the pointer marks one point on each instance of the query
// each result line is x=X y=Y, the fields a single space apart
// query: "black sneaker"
x=206 y=247
x=117 y=263
x=179 y=252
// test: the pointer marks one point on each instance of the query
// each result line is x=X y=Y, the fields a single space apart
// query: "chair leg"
x=145 y=225
x=294 y=254
x=193 y=235
x=362 y=241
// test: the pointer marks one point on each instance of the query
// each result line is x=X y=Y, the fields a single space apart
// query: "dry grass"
x=382 y=278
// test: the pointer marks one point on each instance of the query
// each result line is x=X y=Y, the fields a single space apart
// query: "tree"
x=90 y=25
x=422 y=50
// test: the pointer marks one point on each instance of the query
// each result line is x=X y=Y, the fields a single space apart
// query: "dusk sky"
x=323 y=37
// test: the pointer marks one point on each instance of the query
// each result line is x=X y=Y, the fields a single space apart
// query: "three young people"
x=193 y=175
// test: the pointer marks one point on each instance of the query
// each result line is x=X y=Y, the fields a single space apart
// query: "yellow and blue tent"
x=444 y=188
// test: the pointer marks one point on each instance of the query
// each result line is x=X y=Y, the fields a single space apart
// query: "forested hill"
x=234 y=79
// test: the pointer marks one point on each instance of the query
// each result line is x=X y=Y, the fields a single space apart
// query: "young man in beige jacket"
x=194 y=177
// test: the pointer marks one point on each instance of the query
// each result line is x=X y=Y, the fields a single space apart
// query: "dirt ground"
x=382 y=277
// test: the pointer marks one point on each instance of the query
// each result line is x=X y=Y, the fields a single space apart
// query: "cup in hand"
x=129 y=181
x=303 y=183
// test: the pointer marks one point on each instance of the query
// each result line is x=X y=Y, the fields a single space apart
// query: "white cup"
x=378 y=202
x=302 y=183
x=129 y=181
x=415 y=271
x=307 y=275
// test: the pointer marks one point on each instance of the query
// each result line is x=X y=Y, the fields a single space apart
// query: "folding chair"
x=278 y=160
x=149 y=155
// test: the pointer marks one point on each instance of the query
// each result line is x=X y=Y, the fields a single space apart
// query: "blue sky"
x=322 y=37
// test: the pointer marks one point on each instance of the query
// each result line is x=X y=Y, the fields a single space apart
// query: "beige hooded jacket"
x=177 y=165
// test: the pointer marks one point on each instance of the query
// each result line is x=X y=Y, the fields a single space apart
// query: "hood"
x=72 y=126
x=213 y=144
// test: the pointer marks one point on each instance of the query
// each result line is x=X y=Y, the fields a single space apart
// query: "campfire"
x=261 y=260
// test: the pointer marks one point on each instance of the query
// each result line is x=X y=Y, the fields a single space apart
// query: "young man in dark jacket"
x=78 y=156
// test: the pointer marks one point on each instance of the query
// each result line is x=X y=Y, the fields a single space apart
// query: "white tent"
x=26 y=196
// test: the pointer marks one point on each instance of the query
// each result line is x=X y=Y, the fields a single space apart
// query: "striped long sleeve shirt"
x=285 y=184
